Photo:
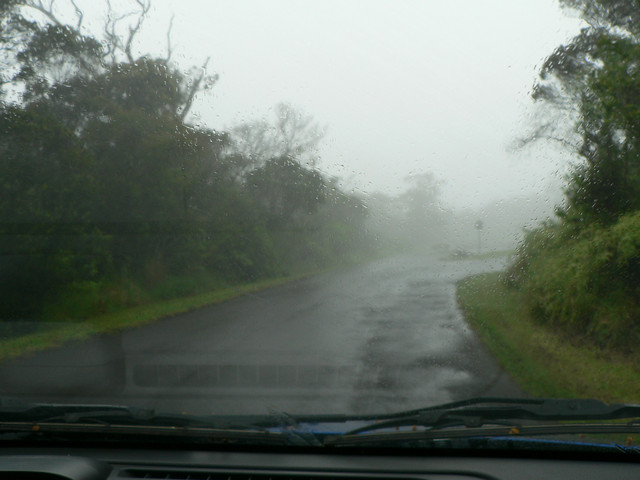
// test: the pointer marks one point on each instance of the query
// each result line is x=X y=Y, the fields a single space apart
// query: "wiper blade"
x=512 y=432
x=100 y=414
x=164 y=432
x=482 y=411
x=469 y=418
x=534 y=404
x=121 y=414
x=37 y=418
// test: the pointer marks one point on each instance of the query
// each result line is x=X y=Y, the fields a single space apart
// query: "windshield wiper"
x=477 y=417
x=495 y=417
x=60 y=419
x=475 y=412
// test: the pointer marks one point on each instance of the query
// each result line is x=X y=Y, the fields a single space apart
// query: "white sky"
x=403 y=86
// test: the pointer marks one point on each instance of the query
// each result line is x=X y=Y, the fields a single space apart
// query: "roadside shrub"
x=587 y=284
x=535 y=243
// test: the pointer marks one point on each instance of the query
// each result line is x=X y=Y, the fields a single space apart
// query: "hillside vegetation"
x=580 y=273
x=588 y=283
x=111 y=196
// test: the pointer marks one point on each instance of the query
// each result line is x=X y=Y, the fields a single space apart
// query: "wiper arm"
x=468 y=418
x=121 y=414
x=484 y=432
x=16 y=410
x=211 y=435
x=537 y=404
x=123 y=420
x=482 y=411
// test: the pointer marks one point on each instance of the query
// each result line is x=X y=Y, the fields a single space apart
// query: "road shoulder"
x=543 y=363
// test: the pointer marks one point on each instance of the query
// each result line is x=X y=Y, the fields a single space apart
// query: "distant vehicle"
x=460 y=253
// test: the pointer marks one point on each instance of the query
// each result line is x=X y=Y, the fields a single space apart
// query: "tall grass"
x=586 y=281
x=544 y=361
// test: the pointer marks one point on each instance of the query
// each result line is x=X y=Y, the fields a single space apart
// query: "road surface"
x=378 y=337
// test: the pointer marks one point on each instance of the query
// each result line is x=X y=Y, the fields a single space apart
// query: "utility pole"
x=479 y=226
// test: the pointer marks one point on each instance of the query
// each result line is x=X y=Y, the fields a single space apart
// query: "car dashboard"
x=78 y=463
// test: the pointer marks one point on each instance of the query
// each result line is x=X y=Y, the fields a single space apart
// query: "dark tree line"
x=595 y=78
x=104 y=183
x=581 y=272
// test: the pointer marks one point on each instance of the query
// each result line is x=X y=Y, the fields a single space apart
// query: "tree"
x=422 y=216
x=596 y=76
x=40 y=50
x=607 y=184
x=292 y=134
x=45 y=179
x=286 y=190
x=97 y=157
x=103 y=180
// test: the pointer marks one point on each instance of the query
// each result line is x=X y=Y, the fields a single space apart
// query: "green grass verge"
x=480 y=256
x=543 y=362
x=128 y=318
x=492 y=254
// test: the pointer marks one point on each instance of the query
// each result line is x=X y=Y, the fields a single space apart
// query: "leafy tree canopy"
x=595 y=79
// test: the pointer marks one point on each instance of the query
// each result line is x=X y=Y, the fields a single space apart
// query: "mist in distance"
x=401 y=90
x=404 y=89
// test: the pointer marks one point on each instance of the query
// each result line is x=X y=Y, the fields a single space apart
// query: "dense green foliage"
x=581 y=272
x=586 y=284
x=542 y=362
x=109 y=197
x=607 y=184
x=595 y=79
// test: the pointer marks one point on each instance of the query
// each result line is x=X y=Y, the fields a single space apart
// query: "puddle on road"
x=389 y=389
x=417 y=349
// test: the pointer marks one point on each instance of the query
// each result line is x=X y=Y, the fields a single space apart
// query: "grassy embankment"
x=62 y=332
x=543 y=361
x=152 y=310
x=490 y=255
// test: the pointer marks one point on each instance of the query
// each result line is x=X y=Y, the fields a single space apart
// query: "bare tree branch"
x=79 y=14
x=292 y=134
x=133 y=31
x=115 y=42
x=195 y=86
x=169 y=46
x=298 y=134
x=255 y=142
x=544 y=132
x=46 y=10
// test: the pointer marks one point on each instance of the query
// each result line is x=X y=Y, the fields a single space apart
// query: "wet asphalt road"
x=379 y=337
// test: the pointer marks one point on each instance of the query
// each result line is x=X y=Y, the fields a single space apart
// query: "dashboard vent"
x=154 y=474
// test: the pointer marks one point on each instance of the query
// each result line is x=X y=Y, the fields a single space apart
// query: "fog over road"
x=378 y=337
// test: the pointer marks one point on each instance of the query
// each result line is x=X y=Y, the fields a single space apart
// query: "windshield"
x=291 y=208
